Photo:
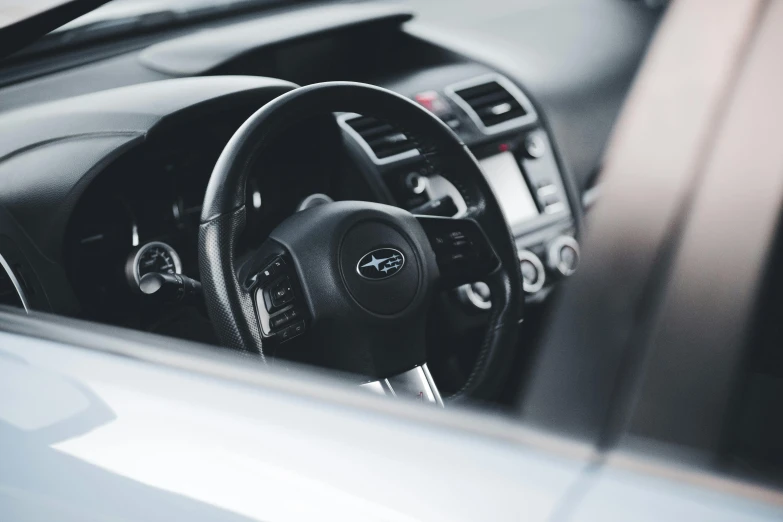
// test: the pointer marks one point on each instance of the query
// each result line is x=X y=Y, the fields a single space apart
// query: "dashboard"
x=117 y=151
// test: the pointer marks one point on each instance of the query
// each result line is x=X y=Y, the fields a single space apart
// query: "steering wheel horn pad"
x=365 y=323
x=392 y=278
x=325 y=244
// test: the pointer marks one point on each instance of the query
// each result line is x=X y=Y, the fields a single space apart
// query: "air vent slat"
x=493 y=98
x=390 y=139
x=494 y=102
x=383 y=139
x=388 y=150
x=370 y=133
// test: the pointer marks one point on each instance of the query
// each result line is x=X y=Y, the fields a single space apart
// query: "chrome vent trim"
x=15 y=281
x=529 y=117
x=343 y=120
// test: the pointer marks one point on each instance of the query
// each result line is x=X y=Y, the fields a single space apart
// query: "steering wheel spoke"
x=462 y=249
x=415 y=384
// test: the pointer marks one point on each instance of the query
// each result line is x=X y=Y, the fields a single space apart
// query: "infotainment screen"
x=506 y=180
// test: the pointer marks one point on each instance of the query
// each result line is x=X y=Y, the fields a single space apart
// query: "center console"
x=502 y=128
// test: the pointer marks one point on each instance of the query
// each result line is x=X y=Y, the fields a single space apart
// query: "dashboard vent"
x=494 y=103
x=383 y=141
x=11 y=291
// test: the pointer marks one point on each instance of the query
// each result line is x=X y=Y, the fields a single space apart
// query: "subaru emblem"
x=380 y=263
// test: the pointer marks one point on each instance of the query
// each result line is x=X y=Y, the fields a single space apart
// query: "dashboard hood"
x=22 y=23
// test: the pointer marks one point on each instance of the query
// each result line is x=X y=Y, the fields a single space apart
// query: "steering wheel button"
x=262 y=277
x=292 y=331
x=278 y=320
x=281 y=292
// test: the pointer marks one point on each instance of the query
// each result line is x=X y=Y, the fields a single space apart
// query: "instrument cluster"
x=141 y=214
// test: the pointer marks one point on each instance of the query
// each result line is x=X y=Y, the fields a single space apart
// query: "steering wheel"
x=357 y=277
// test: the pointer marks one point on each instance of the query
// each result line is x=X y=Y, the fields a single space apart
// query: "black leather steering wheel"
x=357 y=277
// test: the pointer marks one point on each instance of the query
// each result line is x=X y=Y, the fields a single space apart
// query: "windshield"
x=12 y=11
x=116 y=10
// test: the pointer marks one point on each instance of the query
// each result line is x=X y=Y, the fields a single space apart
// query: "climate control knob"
x=533 y=273
x=563 y=255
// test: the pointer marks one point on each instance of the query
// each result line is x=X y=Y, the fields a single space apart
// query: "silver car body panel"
x=91 y=435
x=111 y=438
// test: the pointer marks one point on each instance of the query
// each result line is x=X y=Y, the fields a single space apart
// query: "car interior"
x=397 y=193
x=111 y=140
